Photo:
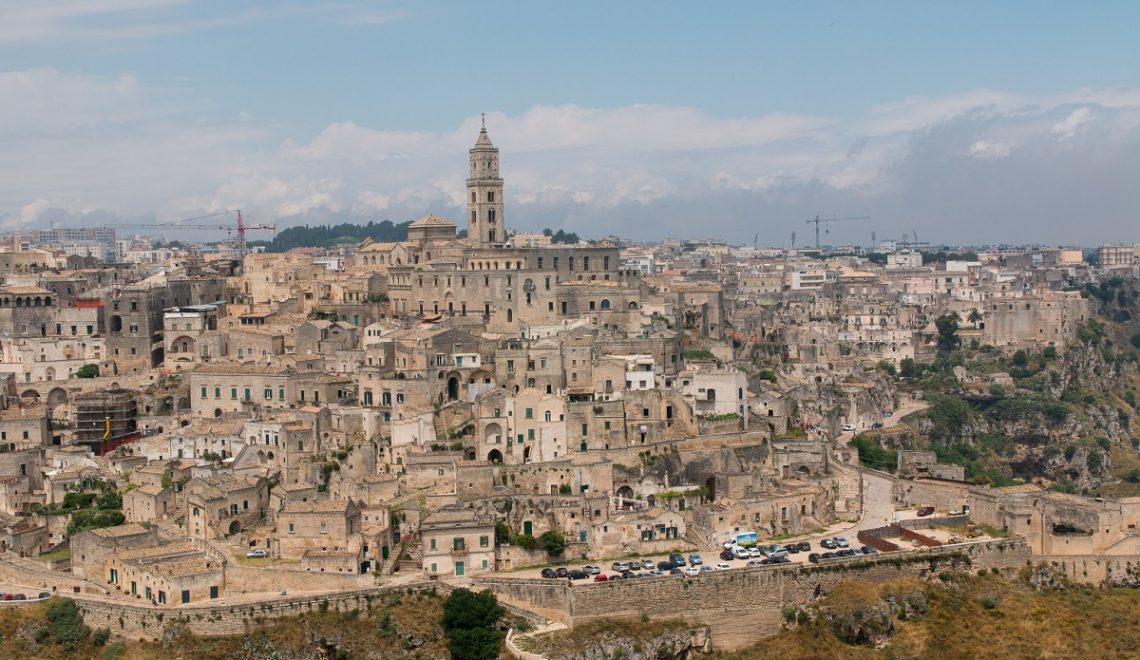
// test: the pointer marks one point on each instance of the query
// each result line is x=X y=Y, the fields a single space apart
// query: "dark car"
x=805 y=546
x=847 y=553
x=792 y=548
x=562 y=572
x=925 y=511
x=674 y=571
x=666 y=566
x=814 y=557
x=868 y=550
x=828 y=555
x=829 y=544
x=578 y=575
x=19 y=597
x=727 y=555
x=779 y=559
x=44 y=594
x=677 y=558
x=549 y=573
x=628 y=575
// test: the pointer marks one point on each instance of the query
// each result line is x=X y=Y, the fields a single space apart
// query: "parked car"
x=9 y=596
x=601 y=577
x=814 y=557
x=577 y=575
x=925 y=511
x=677 y=558
x=705 y=568
x=44 y=594
x=665 y=565
x=727 y=555
x=691 y=571
x=848 y=427
x=695 y=559
x=675 y=571
x=754 y=552
x=635 y=565
x=549 y=573
x=840 y=542
x=805 y=546
x=849 y=552
x=828 y=543
x=648 y=564
x=877 y=425
x=868 y=550
x=779 y=559
x=656 y=573
x=19 y=597
x=613 y=577
x=741 y=552
x=592 y=569
x=628 y=575
x=620 y=566
x=722 y=566
x=828 y=555
x=257 y=554
x=756 y=562
x=562 y=571
x=792 y=548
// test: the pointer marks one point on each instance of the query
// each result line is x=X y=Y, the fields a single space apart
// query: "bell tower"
x=485 y=227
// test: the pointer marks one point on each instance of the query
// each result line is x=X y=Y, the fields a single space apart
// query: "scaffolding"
x=106 y=419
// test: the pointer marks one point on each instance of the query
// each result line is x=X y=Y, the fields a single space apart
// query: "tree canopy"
x=470 y=620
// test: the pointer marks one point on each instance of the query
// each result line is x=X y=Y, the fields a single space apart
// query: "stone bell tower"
x=485 y=228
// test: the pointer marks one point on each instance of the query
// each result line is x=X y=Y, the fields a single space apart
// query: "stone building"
x=457 y=542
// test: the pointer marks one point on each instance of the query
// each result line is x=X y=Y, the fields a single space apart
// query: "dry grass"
x=1079 y=622
x=557 y=644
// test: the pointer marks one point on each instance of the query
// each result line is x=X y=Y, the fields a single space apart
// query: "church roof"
x=433 y=221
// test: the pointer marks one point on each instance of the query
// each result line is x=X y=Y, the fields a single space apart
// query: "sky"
x=963 y=123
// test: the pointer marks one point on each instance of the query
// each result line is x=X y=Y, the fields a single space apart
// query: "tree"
x=907 y=368
x=469 y=621
x=1020 y=359
x=87 y=371
x=553 y=541
x=974 y=317
x=948 y=339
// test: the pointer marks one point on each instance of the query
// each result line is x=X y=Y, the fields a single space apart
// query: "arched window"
x=491 y=216
x=605 y=304
x=474 y=217
x=490 y=195
x=473 y=195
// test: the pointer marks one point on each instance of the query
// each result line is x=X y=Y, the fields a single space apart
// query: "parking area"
x=9 y=595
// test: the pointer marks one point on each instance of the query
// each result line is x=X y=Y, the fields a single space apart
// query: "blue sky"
x=971 y=122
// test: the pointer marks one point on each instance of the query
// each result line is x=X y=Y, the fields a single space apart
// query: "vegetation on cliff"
x=958 y=615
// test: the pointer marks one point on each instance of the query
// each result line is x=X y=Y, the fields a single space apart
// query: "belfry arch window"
x=491 y=216
x=490 y=195
x=474 y=215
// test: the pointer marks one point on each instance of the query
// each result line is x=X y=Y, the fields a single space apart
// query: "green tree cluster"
x=470 y=621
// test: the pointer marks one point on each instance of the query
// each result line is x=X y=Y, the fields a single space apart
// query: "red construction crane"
x=240 y=227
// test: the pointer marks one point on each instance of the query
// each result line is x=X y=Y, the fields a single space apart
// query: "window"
x=484 y=541
x=585 y=429
x=324 y=528
x=291 y=530
x=217 y=392
x=433 y=548
x=458 y=543
x=203 y=391
x=269 y=393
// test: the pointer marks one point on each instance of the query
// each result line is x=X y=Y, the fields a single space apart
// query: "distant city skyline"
x=969 y=124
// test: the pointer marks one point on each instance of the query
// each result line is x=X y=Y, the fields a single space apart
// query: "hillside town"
x=188 y=426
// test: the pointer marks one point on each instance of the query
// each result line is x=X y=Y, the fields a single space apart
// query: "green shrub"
x=100 y=636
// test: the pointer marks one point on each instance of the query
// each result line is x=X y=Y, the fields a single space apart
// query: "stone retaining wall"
x=742 y=605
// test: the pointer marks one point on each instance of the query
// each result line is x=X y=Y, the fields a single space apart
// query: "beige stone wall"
x=759 y=592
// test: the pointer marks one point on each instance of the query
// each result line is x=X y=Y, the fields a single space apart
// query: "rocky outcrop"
x=873 y=623
x=677 y=644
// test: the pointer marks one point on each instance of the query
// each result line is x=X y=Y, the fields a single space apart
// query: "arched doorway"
x=495 y=456
x=625 y=492
x=235 y=527
x=710 y=486
x=453 y=388
x=471 y=455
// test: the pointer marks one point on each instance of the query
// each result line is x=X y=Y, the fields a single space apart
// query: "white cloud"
x=73 y=145
x=986 y=150
x=1068 y=127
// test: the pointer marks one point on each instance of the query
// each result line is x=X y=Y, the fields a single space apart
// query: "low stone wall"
x=250 y=579
x=929 y=522
x=744 y=605
x=48 y=580
x=149 y=622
